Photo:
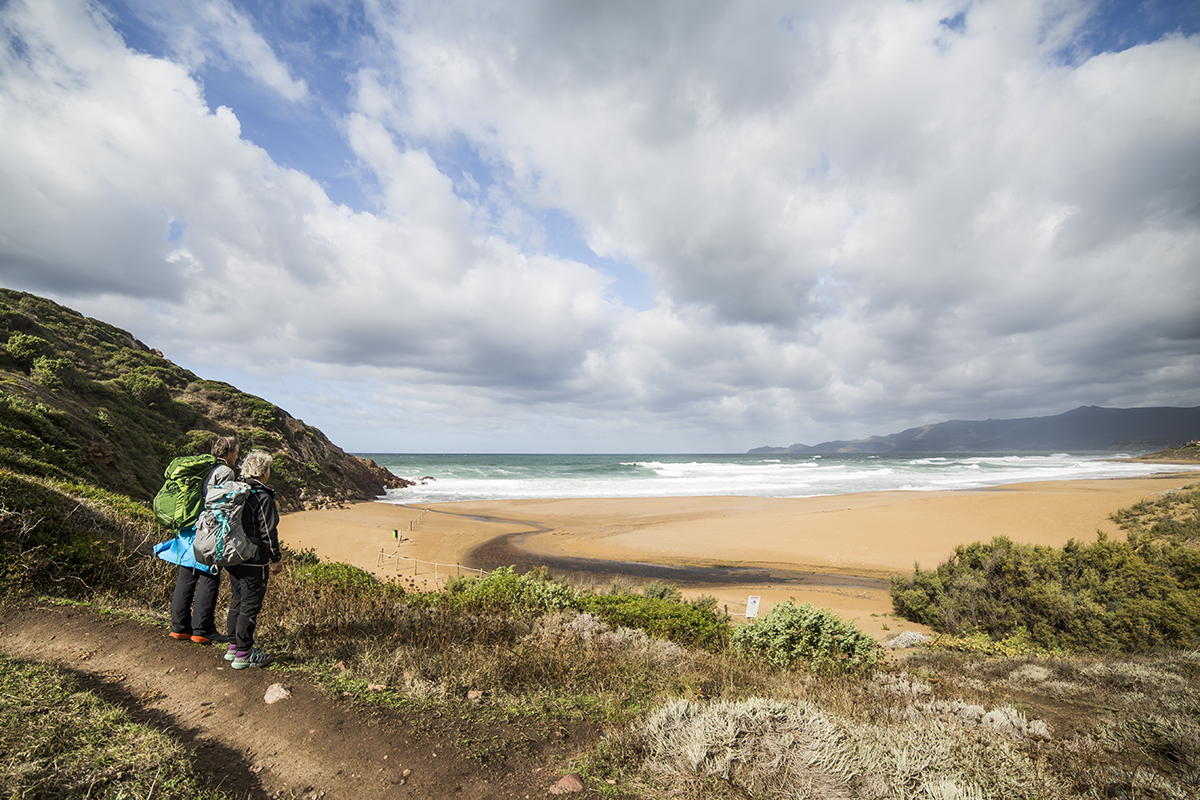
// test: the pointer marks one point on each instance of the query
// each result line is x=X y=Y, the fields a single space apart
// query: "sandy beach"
x=866 y=536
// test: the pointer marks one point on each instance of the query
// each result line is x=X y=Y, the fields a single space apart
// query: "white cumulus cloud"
x=853 y=216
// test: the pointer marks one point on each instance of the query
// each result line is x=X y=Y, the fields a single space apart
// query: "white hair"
x=256 y=465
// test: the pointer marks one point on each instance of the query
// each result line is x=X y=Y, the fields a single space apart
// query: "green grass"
x=73 y=540
x=59 y=740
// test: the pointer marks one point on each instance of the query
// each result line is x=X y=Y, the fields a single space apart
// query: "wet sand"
x=835 y=552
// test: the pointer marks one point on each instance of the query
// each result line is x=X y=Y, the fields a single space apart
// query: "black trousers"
x=248 y=588
x=194 y=604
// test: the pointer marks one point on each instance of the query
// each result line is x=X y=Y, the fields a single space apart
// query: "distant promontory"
x=1082 y=429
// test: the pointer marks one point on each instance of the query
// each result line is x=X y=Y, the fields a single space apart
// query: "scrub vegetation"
x=1136 y=595
x=778 y=709
x=1060 y=673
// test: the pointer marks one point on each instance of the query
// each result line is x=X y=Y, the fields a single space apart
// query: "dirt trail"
x=305 y=745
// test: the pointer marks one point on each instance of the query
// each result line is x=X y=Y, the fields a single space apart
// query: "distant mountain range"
x=1084 y=428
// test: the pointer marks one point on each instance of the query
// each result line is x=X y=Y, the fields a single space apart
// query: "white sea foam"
x=483 y=477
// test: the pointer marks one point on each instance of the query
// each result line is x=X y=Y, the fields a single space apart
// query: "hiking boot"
x=255 y=658
x=182 y=637
x=217 y=638
x=231 y=653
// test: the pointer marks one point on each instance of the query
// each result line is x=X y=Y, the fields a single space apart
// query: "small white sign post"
x=752 y=607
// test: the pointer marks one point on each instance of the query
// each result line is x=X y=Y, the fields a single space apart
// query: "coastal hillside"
x=1084 y=428
x=82 y=400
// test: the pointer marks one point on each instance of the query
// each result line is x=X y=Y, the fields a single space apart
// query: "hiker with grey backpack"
x=238 y=530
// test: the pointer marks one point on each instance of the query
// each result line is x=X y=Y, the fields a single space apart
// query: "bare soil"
x=308 y=745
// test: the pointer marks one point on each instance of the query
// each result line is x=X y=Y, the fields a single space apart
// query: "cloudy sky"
x=678 y=226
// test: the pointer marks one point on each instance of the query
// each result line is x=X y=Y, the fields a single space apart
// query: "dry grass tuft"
x=769 y=749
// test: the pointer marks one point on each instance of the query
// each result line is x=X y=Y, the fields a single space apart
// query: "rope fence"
x=412 y=523
x=438 y=570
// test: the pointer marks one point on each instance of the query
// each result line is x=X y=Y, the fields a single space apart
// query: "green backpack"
x=178 y=503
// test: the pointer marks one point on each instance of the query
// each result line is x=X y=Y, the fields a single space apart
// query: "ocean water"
x=492 y=477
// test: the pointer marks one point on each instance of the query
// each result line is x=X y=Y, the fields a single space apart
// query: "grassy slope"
x=83 y=400
x=64 y=741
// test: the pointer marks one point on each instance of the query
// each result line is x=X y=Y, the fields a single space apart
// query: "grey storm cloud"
x=849 y=216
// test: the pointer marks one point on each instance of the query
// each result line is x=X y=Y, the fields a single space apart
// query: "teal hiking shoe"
x=255 y=658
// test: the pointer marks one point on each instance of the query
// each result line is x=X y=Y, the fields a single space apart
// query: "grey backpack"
x=220 y=539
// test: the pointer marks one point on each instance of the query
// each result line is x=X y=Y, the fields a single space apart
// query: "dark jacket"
x=260 y=520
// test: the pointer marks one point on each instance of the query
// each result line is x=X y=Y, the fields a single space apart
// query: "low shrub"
x=264 y=413
x=25 y=347
x=322 y=604
x=1126 y=596
x=197 y=442
x=506 y=593
x=792 y=636
x=662 y=591
x=683 y=623
x=148 y=388
x=768 y=748
x=34 y=439
x=1129 y=596
x=52 y=372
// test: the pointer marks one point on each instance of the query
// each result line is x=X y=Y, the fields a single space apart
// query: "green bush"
x=25 y=347
x=663 y=591
x=33 y=439
x=264 y=413
x=197 y=442
x=335 y=575
x=148 y=388
x=505 y=593
x=283 y=470
x=792 y=636
x=259 y=439
x=51 y=372
x=683 y=623
x=1111 y=595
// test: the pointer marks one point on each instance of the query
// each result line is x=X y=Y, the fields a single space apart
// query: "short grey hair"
x=256 y=465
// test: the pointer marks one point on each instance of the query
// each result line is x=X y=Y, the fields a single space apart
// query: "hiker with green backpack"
x=177 y=507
